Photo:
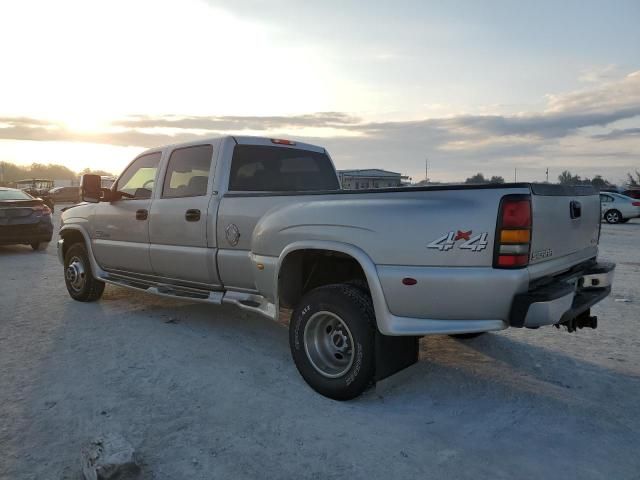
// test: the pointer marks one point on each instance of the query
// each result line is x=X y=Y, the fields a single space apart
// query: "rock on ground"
x=109 y=457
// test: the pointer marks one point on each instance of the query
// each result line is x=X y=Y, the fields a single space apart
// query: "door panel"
x=120 y=233
x=120 y=241
x=179 y=221
x=179 y=246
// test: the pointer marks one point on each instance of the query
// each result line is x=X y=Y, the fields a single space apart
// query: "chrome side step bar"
x=246 y=301
x=165 y=290
x=251 y=302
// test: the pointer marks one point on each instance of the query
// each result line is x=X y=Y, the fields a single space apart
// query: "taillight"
x=513 y=233
x=280 y=141
x=42 y=210
x=635 y=204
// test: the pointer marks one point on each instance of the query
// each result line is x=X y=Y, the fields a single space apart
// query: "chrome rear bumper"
x=563 y=299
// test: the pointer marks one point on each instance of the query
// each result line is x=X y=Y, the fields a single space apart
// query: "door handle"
x=575 y=209
x=142 y=214
x=192 y=215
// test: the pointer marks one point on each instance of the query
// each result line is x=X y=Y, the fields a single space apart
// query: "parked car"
x=633 y=193
x=39 y=188
x=618 y=208
x=65 y=194
x=24 y=219
x=263 y=224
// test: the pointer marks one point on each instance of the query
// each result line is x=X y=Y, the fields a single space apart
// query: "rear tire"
x=467 y=336
x=613 y=216
x=332 y=340
x=78 y=277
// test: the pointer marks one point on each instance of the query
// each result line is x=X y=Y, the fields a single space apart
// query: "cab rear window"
x=257 y=168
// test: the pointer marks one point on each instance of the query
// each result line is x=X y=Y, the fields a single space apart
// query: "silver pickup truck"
x=263 y=224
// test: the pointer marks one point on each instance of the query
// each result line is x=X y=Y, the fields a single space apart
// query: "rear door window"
x=188 y=172
x=257 y=168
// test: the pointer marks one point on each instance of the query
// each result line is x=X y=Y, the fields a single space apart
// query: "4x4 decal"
x=447 y=241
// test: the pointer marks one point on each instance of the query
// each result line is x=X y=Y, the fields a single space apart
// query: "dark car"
x=24 y=219
x=65 y=194
x=633 y=193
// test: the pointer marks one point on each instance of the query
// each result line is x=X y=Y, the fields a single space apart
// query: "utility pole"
x=547 y=174
x=426 y=170
x=515 y=174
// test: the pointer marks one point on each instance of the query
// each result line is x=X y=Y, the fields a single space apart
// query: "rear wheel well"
x=304 y=270
x=70 y=237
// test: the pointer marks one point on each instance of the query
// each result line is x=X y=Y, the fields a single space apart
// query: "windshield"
x=14 y=195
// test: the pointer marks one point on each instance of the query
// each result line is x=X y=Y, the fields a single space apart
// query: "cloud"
x=218 y=123
x=463 y=143
x=617 y=134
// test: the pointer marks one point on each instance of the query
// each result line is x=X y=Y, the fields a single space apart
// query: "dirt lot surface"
x=211 y=392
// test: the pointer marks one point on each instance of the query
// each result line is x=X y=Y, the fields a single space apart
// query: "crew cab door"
x=182 y=218
x=120 y=229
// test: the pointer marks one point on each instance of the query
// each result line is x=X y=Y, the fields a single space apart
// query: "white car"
x=617 y=208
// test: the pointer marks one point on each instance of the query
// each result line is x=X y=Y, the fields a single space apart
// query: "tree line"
x=10 y=172
x=565 y=178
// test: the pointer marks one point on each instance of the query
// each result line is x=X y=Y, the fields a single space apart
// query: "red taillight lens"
x=636 y=204
x=280 y=141
x=41 y=210
x=513 y=260
x=516 y=214
x=513 y=235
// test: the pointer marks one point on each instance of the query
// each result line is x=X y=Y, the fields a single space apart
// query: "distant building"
x=370 y=178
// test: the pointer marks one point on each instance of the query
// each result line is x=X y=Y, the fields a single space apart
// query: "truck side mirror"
x=90 y=188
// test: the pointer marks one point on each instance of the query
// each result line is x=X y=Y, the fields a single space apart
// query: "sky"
x=492 y=86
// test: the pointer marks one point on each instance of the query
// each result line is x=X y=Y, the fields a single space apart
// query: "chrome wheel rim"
x=75 y=274
x=328 y=344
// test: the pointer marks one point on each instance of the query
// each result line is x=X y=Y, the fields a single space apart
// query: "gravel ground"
x=211 y=392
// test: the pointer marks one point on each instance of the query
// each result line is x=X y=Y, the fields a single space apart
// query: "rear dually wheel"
x=332 y=340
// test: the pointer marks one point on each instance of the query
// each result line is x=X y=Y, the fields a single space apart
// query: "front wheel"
x=613 y=216
x=81 y=284
x=332 y=337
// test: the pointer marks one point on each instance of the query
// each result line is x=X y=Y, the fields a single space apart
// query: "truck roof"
x=241 y=140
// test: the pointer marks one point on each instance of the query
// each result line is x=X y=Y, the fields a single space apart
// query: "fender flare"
x=368 y=267
x=95 y=268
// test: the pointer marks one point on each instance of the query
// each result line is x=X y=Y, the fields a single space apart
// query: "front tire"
x=78 y=277
x=613 y=216
x=332 y=340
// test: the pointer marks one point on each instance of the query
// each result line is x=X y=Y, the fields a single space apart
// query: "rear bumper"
x=563 y=299
x=26 y=233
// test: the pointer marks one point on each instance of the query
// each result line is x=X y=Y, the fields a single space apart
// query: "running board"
x=246 y=301
x=251 y=302
x=165 y=290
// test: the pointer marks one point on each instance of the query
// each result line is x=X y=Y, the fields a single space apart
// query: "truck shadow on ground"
x=171 y=375
x=483 y=364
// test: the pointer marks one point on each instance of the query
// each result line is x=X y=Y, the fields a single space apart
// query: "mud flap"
x=394 y=354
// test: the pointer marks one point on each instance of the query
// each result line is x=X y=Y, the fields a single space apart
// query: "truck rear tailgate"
x=565 y=227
